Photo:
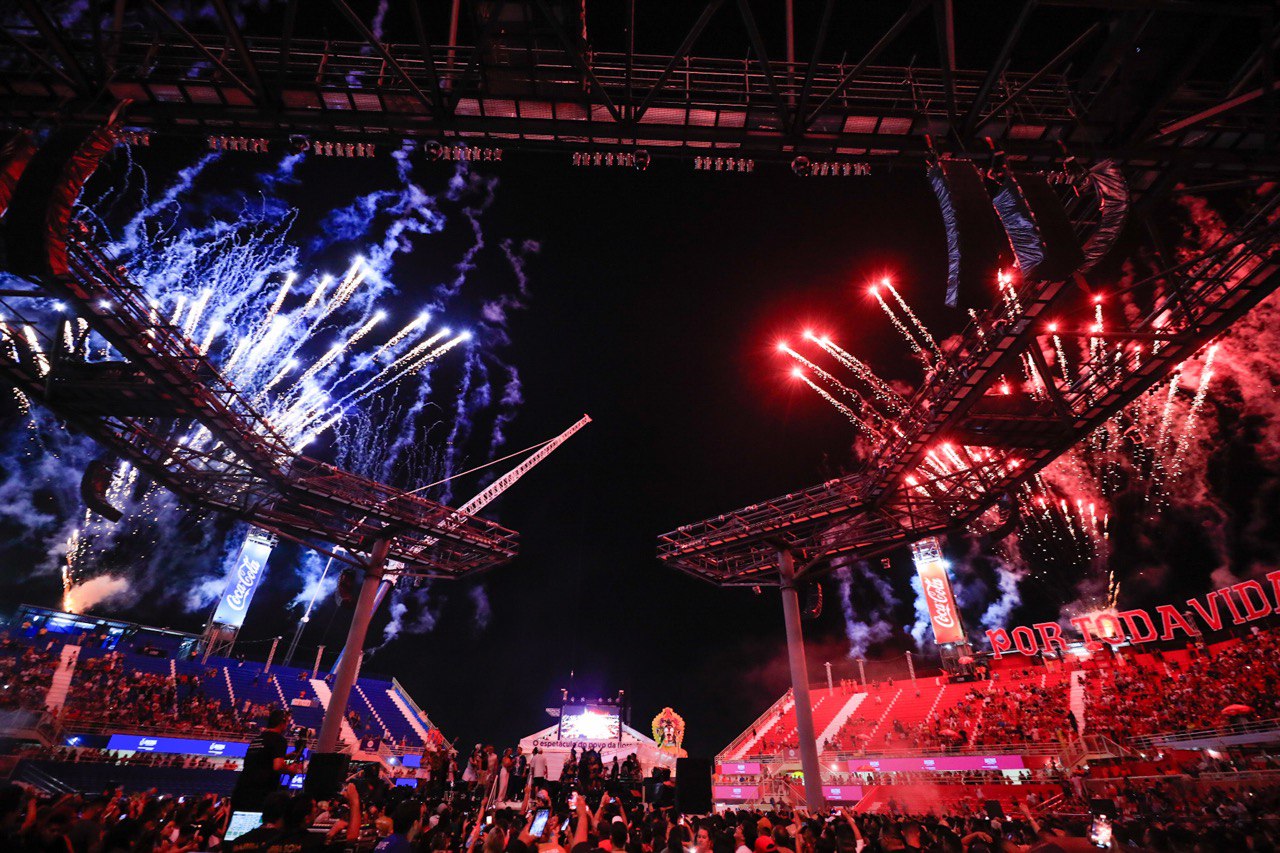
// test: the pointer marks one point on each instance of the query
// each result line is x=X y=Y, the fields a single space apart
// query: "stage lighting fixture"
x=723 y=164
x=638 y=160
x=342 y=149
x=806 y=168
x=454 y=153
x=297 y=144
x=239 y=143
x=134 y=137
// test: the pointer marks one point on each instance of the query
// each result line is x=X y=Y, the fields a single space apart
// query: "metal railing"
x=1173 y=738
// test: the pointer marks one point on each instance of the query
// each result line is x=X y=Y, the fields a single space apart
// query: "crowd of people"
x=106 y=689
x=25 y=674
x=1238 y=683
x=1235 y=682
x=989 y=714
x=370 y=814
x=124 y=758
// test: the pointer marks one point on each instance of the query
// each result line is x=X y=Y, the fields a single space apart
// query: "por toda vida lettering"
x=1242 y=602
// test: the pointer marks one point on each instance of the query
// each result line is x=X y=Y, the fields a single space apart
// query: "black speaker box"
x=693 y=785
x=326 y=771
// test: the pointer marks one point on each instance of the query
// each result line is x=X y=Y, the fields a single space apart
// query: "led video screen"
x=590 y=723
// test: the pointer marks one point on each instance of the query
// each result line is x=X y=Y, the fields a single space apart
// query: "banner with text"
x=250 y=566
x=1236 y=604
x=936 y=589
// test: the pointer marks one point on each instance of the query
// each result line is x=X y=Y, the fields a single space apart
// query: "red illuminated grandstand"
x=1044 y=728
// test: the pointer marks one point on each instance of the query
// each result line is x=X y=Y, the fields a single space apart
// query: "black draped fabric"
x=976 y=242
x=939 y=183
x=1018 y=224
x=1113 y=209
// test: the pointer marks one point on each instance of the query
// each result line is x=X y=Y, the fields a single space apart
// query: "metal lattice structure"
x=243 y=467
x=1174 y=90
x=1001 y=439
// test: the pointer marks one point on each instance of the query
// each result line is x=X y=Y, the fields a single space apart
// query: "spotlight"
x=454 y=153
x=806 y=168
x=134 y=137
x=342 y=149
x=723 y=164
x=298 y=144
x=239 y=143
x=638 y=159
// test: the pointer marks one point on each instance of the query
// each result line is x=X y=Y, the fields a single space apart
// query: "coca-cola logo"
x=246 y=576
x=935 y=589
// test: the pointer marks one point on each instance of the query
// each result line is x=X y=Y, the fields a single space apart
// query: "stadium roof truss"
x=1140 y=81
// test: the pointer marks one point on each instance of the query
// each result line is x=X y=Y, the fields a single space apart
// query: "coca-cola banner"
x=246 y=574
x=936 y=589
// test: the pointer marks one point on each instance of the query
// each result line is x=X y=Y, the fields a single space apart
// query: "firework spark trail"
x=836 y=384
x=263 y=327
x=901 y=327
x=883 y=392
x=338 y=349
x=317 y=294
x=379 y=383
x=1004 y=282
x=413 y=325
x=37 y=351
x=840 y=407
x=1060 y=352
x=915 y=321
x=1197 y=403
x=977 y=324
x=1166 y=414
x=196 y=312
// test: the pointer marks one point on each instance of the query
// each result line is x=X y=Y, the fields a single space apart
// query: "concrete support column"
x=345 y=676
x=800 y=682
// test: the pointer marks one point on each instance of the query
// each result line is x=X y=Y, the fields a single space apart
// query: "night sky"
x=655 y=304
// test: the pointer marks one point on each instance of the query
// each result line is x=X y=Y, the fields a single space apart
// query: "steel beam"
x=682 y=52
x=820 y=43
x=246 y=59
x=997 y=67
x=381 y=49
x=1061 y=57
x=199 y=45
x=916 y=7
x=762 y=59
x=575 y=57
x=49 y=32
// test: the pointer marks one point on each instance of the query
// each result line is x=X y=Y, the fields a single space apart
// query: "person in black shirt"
x=264 y=763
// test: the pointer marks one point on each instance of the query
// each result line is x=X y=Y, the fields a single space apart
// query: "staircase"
x=837 y=722
x=284 y=703
x=871 y=739
x=372 y=710
x=348 y=734
x=231 y=691
x=404 y=709
x=1077 y=699
x=61 y=682
x=762 y=729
